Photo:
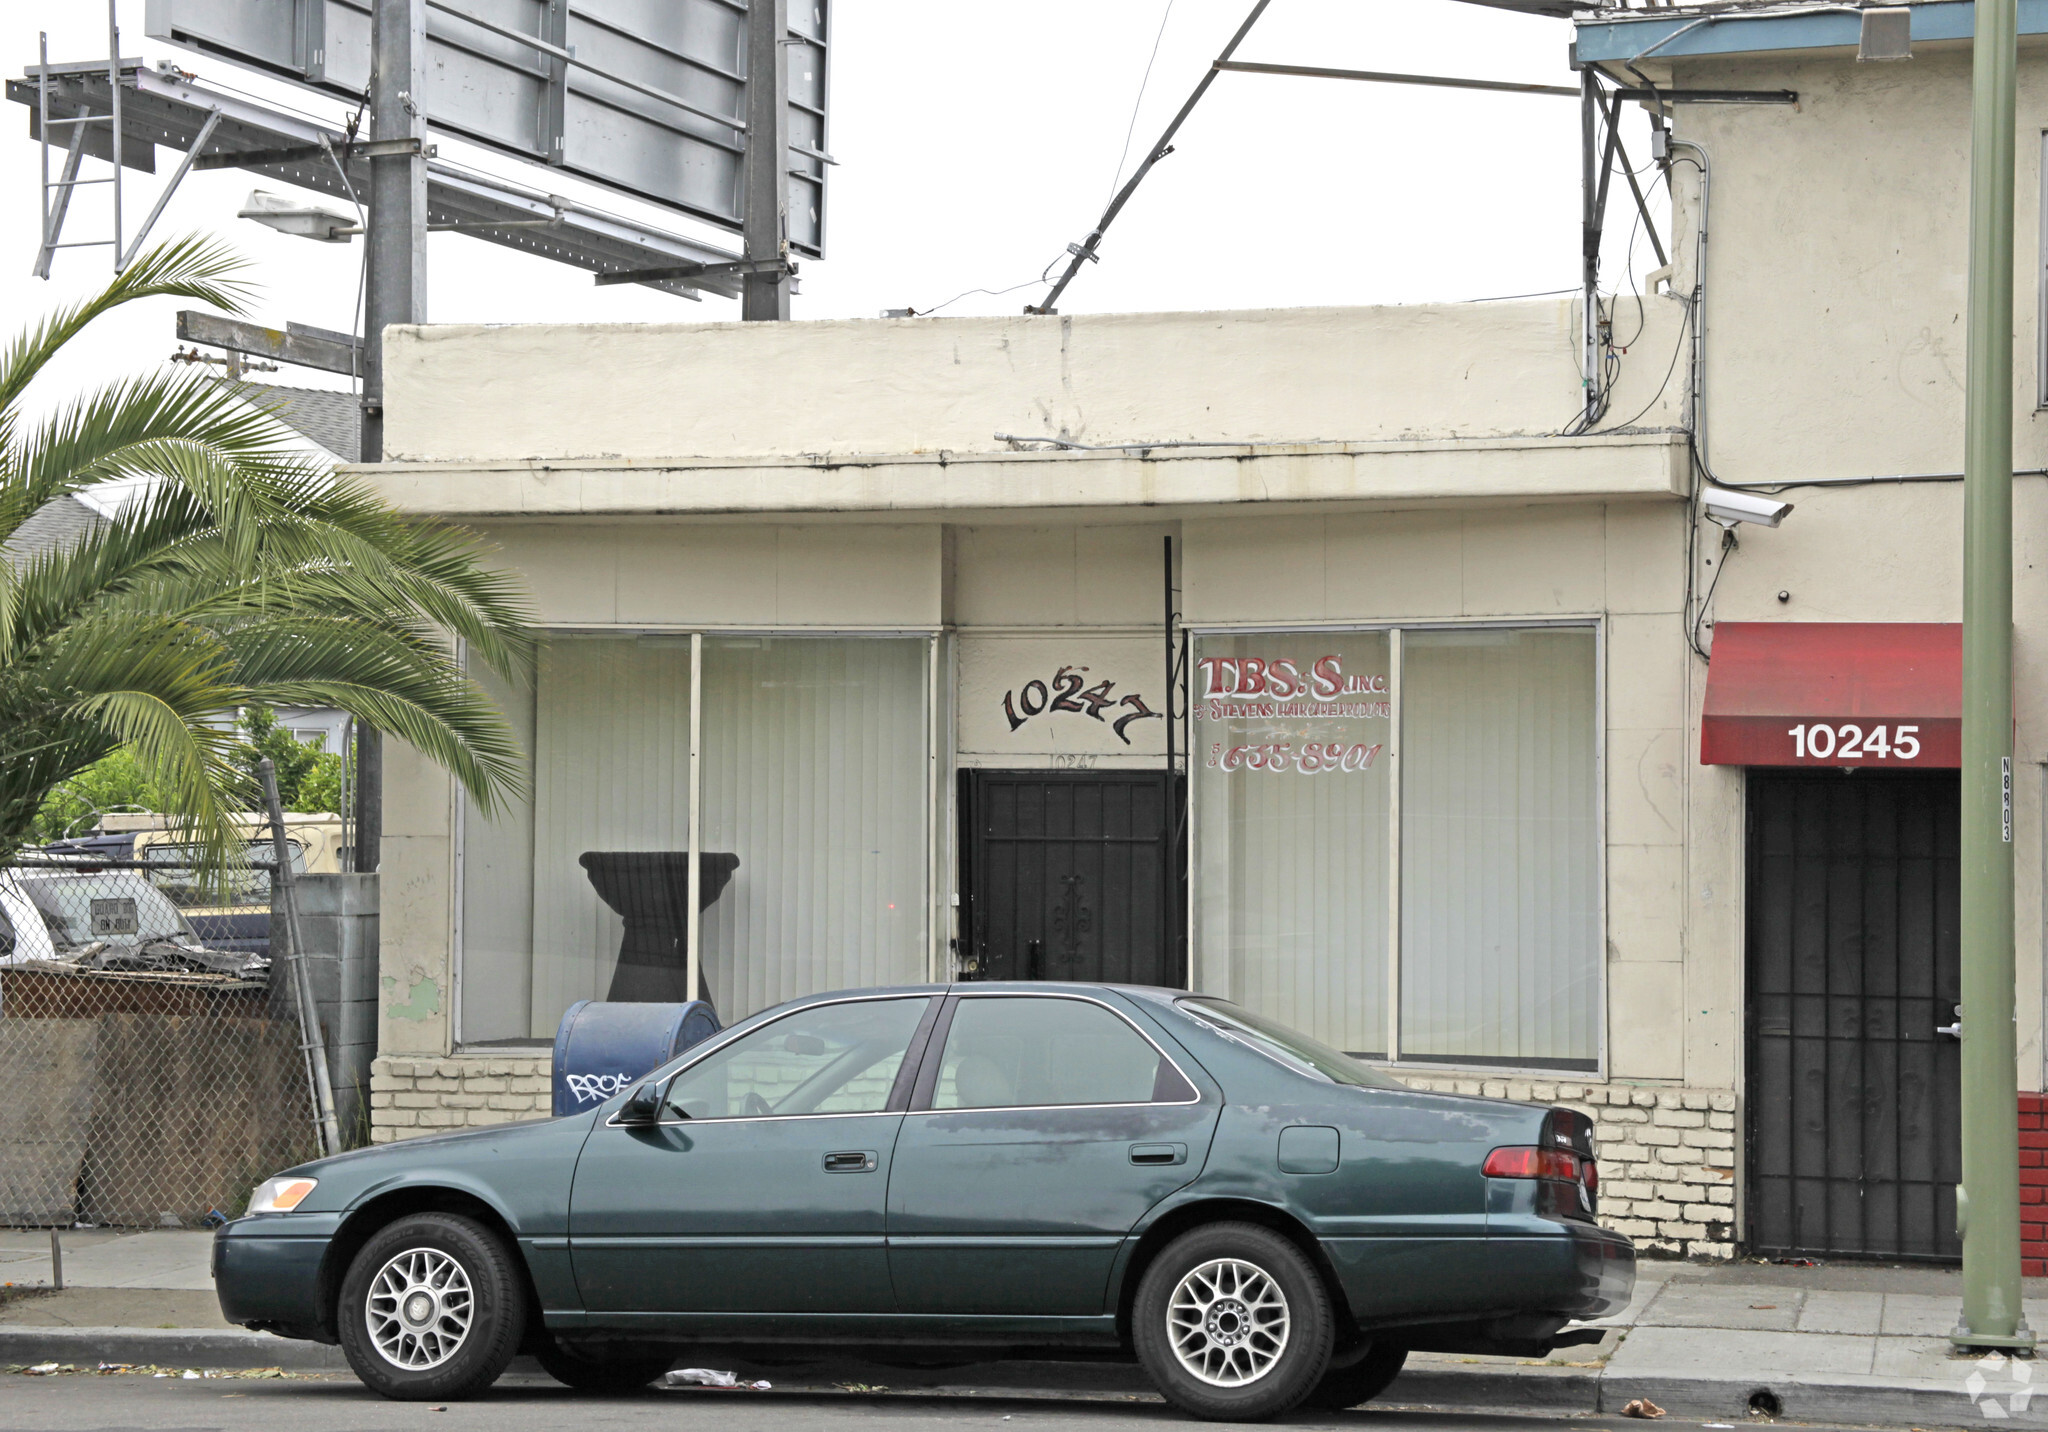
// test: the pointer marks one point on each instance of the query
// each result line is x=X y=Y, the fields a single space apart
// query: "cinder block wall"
x=1667 y=1156
x=430 y=1096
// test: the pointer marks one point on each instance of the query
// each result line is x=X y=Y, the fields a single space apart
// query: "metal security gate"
x=1854 y=1147
x=1065 y=876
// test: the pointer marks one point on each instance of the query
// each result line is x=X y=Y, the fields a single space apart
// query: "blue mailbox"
x=602 y=1047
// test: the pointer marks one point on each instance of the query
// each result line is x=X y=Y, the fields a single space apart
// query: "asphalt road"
x=337 y=1403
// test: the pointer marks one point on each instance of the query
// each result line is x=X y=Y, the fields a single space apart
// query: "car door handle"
x=1150 y=1154
x=850 y=1161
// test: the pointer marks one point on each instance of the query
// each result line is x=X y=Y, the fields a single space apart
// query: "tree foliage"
x=240 y=574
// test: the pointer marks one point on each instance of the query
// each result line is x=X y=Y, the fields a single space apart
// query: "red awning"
x=1834 y=694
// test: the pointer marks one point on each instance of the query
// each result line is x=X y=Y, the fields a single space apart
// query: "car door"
x=1042 y=1129
x=764 y=1186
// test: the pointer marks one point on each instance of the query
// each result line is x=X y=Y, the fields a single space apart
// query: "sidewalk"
x=1843 y=1343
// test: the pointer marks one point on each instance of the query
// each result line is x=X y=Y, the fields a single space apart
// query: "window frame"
x=1392 y=1061
x=935 y=1057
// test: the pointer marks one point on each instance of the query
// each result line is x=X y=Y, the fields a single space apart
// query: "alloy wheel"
x=1227 y=1322
x=419 y=1309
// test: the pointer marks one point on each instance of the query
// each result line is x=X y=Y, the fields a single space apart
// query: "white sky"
x=975 y=141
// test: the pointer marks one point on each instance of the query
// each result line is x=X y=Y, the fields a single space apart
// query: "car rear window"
x=1290 y=1046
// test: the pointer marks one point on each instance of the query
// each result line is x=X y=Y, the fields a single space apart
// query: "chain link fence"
x=149 y=1075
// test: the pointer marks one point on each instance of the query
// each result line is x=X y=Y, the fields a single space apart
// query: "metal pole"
x=1589 y=240
x=56 y=1262
x=114 y=142
x=1085 y=251
x=693 y=923
x=1987 y=1202
x=284 y=891
x=395 y=291
x=766 y=225
x=1171 y=808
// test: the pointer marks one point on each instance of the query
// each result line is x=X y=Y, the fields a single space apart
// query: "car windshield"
x=1289 y=1046
x=176 y=866
x=119 y=908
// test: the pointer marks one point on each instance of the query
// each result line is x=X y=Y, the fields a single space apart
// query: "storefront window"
x=1289 y=736
x=814 y=776
x=812 y=829
x=1315 y=752
x=1500 y=862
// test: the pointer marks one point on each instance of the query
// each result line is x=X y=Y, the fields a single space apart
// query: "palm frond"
x=240 y=573
x=195 y=267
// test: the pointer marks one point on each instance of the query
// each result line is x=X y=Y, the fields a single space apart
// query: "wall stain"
x=422 y=1001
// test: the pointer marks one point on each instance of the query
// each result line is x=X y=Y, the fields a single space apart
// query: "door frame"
x=1751 y=1089
x=1174 y=890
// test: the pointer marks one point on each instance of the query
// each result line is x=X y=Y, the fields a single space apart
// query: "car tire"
x=1361 y=1382
x=598 y=1372
x=432 y=1307
x=1232 y=1323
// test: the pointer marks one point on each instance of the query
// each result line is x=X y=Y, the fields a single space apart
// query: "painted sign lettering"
x=1288 y=715
x=1069 y=691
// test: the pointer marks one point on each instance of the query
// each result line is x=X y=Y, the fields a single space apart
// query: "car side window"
x=1034 y=1050
x=827 y=1059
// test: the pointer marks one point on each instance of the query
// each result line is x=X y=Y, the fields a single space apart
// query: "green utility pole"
x=1988 y=1202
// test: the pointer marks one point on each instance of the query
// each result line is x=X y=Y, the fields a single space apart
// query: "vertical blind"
x=1499 y=915
x=814 y=776
x=497 y=891
x=813 y=773
x=1291 y=888
x=612 y=772
x=1500 y=862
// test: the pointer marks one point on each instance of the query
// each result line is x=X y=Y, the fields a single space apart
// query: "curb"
x=1874 y=1401
x=165 y=1347
x=1868 y=1401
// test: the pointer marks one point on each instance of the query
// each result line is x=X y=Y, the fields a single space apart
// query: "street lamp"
x=298 y=217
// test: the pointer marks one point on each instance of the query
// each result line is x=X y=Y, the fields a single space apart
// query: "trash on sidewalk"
x=42 y=1369
x=709 y=1377
x=1642 y=1407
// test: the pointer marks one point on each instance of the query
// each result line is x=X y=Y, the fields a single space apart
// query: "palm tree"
x=238 y=573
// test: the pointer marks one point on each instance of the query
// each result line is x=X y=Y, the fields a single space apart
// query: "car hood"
x=355 y=1159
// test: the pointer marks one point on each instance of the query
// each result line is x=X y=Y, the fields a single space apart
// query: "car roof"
x=1152 y=993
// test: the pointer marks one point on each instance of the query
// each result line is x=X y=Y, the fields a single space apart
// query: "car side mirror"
x=642 y=1106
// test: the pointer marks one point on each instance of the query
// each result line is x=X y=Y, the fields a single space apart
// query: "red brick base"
x=2034 y=1185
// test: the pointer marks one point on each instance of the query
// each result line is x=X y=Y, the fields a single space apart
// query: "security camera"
x=298 y=218
x=1728 y=507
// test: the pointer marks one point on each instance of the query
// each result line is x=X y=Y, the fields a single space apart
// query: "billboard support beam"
x=765 y=174
x=395 y=290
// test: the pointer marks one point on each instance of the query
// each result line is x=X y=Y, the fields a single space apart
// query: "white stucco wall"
x=900 y=386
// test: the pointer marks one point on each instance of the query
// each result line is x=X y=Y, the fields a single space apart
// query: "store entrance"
x=1066 y=875
x=1853 y=963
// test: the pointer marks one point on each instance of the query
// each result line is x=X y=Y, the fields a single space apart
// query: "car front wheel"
x=1232 y=1323
x=432 y=1307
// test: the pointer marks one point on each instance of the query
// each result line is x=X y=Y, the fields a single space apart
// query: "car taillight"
x=1530 y=1162
x=1589 y=1175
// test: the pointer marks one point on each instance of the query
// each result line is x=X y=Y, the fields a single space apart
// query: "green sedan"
x=957 y=1172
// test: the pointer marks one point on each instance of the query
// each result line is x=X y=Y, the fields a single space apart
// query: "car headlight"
x=280 y=1195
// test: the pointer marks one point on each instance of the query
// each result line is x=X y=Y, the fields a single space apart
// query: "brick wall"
x=427 y=1096
x=2034 y=1185
x=1667 y=1156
